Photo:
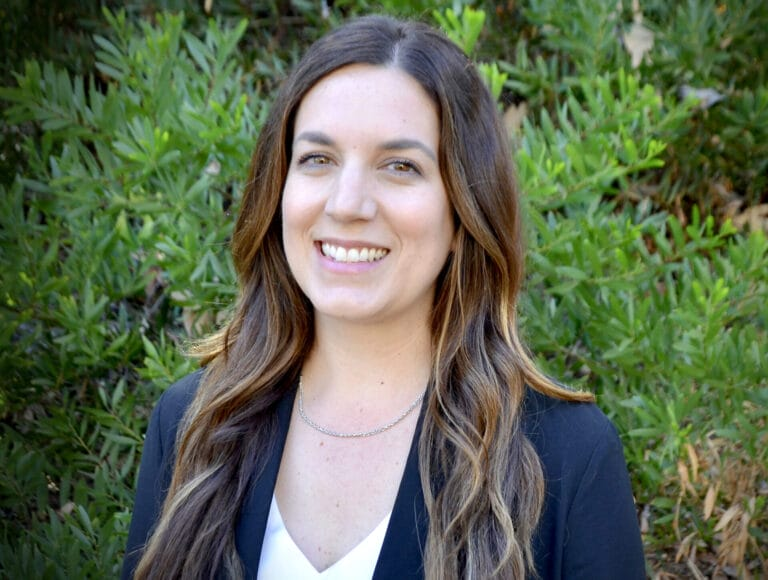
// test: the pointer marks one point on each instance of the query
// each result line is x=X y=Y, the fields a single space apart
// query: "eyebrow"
x=400 y=144
x=319 y=138
x=314 y=137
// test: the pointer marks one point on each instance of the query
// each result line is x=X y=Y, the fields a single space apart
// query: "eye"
x=314 y=160
x=404 y=166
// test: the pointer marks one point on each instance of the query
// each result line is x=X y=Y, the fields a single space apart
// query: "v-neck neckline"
x=364 y=554
x=401 y=553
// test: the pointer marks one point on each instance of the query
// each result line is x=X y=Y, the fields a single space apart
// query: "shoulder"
x=564 y=431
x=172 y=405
x=588 y=493
x=580 y=452
x=179 y=395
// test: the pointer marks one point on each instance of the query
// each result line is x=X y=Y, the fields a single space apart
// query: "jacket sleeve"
x=156 y=467
x=602 y=539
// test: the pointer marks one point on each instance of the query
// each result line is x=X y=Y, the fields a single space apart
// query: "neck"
x=348 y=360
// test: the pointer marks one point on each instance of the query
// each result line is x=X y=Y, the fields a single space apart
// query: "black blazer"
x=588 y=528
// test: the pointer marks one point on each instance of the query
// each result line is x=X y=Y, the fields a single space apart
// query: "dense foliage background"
x=641 y=138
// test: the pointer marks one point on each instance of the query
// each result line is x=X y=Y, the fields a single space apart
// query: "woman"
x=370 y=410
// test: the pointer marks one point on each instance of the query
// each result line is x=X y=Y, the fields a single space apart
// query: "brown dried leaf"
x=222 y=316
x=181 y=295
x=685 y=480
x=204 y=322
x=213 y=168
x=645 y=519
x=513 y=117
x=196 y=322
x=694 y=461
x=695 y=569
x=709 y=502
x=756 y=216
x=188 y=318
x=735 y=538
x=731 y=208
x=714 y=444
x=684 y=549
x=682 y=473
x=67 y=508
x=638 y=40
x=726 y=518
x=691 y=563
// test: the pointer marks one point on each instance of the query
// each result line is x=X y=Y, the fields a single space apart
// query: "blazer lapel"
x=401 y=556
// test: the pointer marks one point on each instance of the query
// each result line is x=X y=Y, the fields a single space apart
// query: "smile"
x=339 y=254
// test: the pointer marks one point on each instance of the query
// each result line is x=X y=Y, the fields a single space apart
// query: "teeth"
x=340 y=254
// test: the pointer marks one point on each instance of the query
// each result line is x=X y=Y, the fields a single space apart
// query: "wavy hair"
x=482 y=479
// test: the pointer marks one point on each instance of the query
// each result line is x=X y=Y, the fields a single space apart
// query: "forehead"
x=370 y=98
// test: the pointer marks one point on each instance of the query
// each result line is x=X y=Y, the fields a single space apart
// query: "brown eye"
x=314 y=159
x=404 y=166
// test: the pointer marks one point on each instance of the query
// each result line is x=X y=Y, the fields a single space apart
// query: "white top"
x=282 y=559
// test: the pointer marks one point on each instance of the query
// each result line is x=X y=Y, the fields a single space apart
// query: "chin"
x=346 y=313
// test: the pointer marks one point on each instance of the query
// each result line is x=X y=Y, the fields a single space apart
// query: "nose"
x=351 y=196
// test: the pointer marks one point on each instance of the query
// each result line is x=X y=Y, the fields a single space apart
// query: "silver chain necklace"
x=370 y=433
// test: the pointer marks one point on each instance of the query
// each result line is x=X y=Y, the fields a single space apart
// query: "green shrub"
x=114 y=244
x=697 y=45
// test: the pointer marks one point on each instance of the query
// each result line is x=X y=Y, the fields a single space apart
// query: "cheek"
x=297 y=212
x=440 y=219
x=431 y=227
x=292 y=228
x=447 y=231
x=292 y=224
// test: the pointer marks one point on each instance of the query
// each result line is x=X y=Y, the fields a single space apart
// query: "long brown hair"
x=482 y=480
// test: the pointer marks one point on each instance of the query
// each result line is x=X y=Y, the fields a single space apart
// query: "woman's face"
x=367 y=225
